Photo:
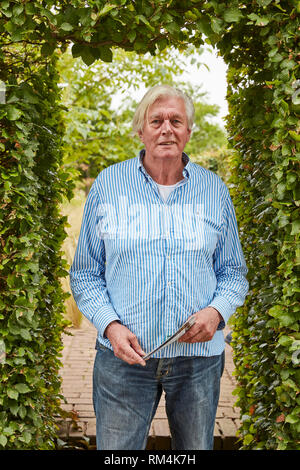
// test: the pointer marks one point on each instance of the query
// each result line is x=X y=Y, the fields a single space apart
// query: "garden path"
x=78 y=358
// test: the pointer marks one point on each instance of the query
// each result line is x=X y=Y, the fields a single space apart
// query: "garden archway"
x=258 y=40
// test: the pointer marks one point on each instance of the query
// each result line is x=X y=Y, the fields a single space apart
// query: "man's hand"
x=205 y=326
x=124 y=343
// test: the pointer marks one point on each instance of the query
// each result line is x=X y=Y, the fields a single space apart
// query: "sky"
x=213 y=81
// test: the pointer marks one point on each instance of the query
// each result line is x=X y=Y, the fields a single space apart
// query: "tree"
x=98 y=134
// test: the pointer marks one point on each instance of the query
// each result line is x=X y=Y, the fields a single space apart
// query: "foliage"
x=216 y=160
x=97 y=132
x=264 y=130
x=259 y=41
x=207 y=136
x=31 y=303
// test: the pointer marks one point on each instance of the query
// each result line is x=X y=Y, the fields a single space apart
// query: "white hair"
x=154 y=94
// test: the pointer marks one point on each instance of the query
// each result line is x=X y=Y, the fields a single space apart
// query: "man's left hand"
x=205 y=326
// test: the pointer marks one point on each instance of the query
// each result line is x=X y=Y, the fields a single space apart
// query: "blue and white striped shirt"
x=150 y=263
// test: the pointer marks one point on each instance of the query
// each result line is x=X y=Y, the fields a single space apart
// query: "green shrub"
x=264 y=130
x=32 y=231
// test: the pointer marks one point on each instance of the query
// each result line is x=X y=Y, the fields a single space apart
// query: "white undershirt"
x=165 y=190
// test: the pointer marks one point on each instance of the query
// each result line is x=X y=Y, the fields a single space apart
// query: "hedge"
x=264 y=131
x=31 y=304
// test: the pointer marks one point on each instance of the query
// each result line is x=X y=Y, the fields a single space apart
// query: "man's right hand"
x=124 y=343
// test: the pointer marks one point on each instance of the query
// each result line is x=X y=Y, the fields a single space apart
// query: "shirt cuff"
x=104 y=317
x=224 y=308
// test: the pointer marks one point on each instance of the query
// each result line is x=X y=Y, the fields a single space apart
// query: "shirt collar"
x=186 y=170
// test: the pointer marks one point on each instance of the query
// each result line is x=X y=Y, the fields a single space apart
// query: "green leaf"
x=106 y=9
x=26 y=437
x=22 y=412
x=295 y=227
x=66 y=27
x=30 y=8
x=276 y=311
x=8 y=14
x=204 y=26
x=139 y=44
x=295 y=136
x=9 y=430
x=216 y=25
x=13 y=394
x=106 y=54
x=76 y=50
x=48 y=49
x=17 y=9
x=264 y=3
x=173 y=28
x=13 y=113
x=248 y=439
x=284 y=374
x=285 y=340
x=292 y=419
x=260 y=20
x=22 y=388
x=88 y=54
x=287 y=319
x=131 y=35
x=14 y=409
x=5 y=4
x=3 y=440
x=25 y=334
x=162 y=44
x=88 y=57
x=233 y=15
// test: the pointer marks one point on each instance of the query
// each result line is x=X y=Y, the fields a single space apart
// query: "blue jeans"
x=126 y=398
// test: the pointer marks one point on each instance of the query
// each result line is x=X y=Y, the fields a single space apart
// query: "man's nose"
x=166 y=127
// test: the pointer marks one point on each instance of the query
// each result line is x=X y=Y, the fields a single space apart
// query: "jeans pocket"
x=99 y=346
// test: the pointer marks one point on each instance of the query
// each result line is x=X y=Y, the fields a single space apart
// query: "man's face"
x=165 y=131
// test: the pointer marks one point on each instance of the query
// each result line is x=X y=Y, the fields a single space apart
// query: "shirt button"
x=169 y=283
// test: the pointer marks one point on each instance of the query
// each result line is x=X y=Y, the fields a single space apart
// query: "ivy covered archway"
x=258 y=40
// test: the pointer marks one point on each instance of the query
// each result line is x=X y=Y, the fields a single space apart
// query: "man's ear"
x=140 y=134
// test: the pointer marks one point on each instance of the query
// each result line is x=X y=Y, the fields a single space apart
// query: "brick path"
x=78 y=359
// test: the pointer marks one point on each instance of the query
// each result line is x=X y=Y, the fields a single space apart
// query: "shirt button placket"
x=169 y=277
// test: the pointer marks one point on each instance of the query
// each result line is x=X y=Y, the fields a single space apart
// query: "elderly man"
x=158 y=245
